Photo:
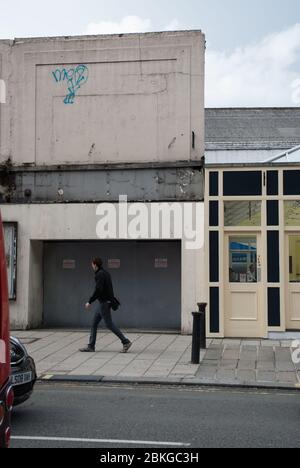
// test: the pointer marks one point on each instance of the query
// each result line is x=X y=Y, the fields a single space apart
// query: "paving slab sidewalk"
x=151 y=356
x=257 y=363
x=162 y=358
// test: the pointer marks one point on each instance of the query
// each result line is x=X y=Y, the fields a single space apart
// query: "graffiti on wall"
x=74 y=78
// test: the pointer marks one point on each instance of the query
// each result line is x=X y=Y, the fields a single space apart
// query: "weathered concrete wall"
x=36 y=284
x=53 y=186
x=5 y=101
x=38 y=223
x=87 y=119
x=106 y=99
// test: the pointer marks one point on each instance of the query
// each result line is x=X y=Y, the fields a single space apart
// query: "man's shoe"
x=126 y=347
x=89 y=349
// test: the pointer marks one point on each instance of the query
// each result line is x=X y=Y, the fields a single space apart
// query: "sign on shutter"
x=69 y=264
x=114 y=264
x=161 y=263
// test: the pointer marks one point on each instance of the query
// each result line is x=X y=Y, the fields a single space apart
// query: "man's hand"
x=87 y=305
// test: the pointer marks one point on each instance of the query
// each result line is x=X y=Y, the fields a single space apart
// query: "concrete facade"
x=104 y=99
x=88 y=119
x=39 y=223
x=89 y=184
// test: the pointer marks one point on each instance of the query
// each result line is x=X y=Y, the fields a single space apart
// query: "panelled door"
x=243 y=292
x=293 y=282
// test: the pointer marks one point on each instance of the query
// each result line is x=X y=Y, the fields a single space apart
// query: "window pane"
x=214 y=213
x=272 y=183
x=243 y=213
x=213 y=184
x=294 y=243
x=291 y=182
x=272 y=213
x=214 y=256
x=274 y=319
x=242 y=260
x=273 y=260
x=292 y=213
x=242 y=183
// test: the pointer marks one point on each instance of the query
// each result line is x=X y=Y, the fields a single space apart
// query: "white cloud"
x=265 y=73
x=128 y=24
x=261 y=74
x=174 y=25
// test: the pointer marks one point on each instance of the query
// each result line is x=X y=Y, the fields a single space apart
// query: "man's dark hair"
x=98 y=262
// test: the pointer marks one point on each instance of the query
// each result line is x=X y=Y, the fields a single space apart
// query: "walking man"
x=104 y=293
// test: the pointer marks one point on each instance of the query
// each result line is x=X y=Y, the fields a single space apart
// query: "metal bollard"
x=202 y=310
x=199 y=333
x=196 y=338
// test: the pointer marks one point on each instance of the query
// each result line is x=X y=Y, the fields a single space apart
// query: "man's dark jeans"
x=104 y=312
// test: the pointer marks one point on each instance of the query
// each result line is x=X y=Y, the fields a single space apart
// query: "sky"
x=253 y=48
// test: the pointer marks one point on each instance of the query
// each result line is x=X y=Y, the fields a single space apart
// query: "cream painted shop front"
x=253 y=246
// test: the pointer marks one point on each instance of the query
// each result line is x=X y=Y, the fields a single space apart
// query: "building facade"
x=102 y=145
x=252 y=203
x=87 y=120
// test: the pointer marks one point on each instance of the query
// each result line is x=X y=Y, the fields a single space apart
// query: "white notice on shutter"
x=114 y=264
x=69 y=264
x=161 y=263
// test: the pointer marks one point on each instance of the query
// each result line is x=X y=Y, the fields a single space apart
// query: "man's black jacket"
x=104 y=289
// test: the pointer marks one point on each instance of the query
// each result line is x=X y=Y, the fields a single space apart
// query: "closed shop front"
x=146 y=277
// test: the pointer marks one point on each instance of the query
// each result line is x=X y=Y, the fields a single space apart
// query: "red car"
x=6 y=391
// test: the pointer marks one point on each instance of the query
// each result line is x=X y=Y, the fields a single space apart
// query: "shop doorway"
x=293 y=281
x=243 y=291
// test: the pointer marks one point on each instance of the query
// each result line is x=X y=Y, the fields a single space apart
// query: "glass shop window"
x=243 y=260
x=292 y=212
x=242 y=183
x=294 y=259
x=242 y=213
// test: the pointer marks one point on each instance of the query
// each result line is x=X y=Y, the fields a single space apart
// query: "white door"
x=293 y=281
x=244 y=317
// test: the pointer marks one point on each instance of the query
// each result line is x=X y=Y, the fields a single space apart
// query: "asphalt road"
x=129 y=417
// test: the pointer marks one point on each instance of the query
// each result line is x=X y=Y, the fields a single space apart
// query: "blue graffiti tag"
x=75 y=78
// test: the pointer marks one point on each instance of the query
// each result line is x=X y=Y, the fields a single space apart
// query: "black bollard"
x=199 y=332
x=202 y=310
x=196 y=338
